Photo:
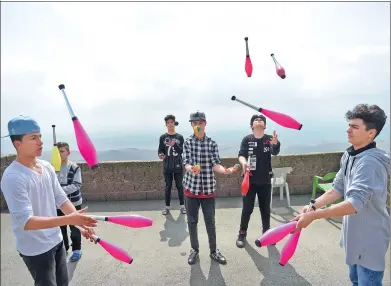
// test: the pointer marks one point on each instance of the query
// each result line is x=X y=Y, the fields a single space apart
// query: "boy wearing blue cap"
x=33 y=193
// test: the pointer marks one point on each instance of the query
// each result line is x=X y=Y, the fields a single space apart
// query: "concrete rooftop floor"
x=160 y=252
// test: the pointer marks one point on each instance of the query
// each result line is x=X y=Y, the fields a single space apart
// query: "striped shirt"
x=204 y=153
x=71 y=183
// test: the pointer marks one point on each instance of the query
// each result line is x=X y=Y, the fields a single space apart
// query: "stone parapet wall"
x=143 y=180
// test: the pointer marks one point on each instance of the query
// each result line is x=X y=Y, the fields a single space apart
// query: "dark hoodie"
x=362 y=180
x=171 y=146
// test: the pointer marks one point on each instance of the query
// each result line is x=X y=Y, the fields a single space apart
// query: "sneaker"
x=183 y=210
x=241 y=241
x=217 y=256
x=192 y=256
x=165 y=211
x=76 y=255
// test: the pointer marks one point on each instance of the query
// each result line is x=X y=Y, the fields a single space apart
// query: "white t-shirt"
x=28 y=194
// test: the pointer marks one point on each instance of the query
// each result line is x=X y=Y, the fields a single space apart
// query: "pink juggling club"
x=289 y=248
x=272 y=236
x=134 y=221
x=279 y=118
x=279 y=69
x=86 y=147
x=114 y=250
x=248 y=66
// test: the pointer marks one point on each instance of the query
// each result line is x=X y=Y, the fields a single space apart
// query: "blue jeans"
x=361 y=276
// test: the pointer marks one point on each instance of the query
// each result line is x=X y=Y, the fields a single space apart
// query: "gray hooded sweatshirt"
x=362 y=180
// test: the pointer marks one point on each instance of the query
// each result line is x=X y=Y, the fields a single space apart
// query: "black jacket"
x=171 y=146
x=259 y=150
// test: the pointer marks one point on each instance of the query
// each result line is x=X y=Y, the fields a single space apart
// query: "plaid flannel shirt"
x=206 y=154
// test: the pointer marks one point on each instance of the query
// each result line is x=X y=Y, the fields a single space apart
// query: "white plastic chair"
x=279 y=180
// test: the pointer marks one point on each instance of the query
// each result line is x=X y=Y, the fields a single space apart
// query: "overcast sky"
x=126 y=65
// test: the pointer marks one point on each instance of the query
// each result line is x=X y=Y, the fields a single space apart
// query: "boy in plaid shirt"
x=201 y=159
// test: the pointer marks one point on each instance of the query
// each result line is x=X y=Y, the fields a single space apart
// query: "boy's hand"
x=79 y=218
x=275 y=138
x=87 y=232
x=232 y=169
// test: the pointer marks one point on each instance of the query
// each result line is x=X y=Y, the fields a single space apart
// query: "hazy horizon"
x=127 y=65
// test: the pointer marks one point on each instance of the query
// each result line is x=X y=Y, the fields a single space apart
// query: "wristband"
x=311 y=204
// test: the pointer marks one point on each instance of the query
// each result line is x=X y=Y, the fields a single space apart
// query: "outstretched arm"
x=336 y=192
x=216 y=161
x=364 y=185
x=243 y=152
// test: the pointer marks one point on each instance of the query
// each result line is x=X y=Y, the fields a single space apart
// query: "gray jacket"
x=362 y=180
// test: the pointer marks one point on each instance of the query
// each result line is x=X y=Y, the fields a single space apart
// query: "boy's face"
x=358 y=133
x=199 y=123
x=170 y=123
x=64 y=153
x=258 y=122
x=31 y=145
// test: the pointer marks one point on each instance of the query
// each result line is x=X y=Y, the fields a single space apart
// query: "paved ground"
x=160 y=252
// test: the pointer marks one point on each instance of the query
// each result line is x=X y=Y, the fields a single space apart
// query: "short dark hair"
x=171 y=117
x=372 y=115
x=62 y=144
x=168 y=117
x=255 y=116
x=16 y=138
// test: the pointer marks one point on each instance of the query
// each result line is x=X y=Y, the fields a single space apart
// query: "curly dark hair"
x=372 y=115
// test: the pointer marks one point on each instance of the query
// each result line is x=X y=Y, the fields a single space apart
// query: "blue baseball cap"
x=21 y=125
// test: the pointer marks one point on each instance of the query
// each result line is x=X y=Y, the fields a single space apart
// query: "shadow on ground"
x=152 y=205
x=71 y=269
x=158 y=205
x=273 y=273
x=282 y=213
x=174 y=230
x=197 y=277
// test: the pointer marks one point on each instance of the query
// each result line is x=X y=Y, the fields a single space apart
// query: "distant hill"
x=128 y=154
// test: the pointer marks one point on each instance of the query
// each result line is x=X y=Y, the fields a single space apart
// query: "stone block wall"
x=143 y=180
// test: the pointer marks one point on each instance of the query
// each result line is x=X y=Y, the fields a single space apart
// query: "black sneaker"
x=192 y=256
x=216 y=255
x=241 y=241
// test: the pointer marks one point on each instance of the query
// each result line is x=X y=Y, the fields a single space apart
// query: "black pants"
x=168 y=177
x=49 y=268
x=208 y=210
x=75 y=234
x=264 y=195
